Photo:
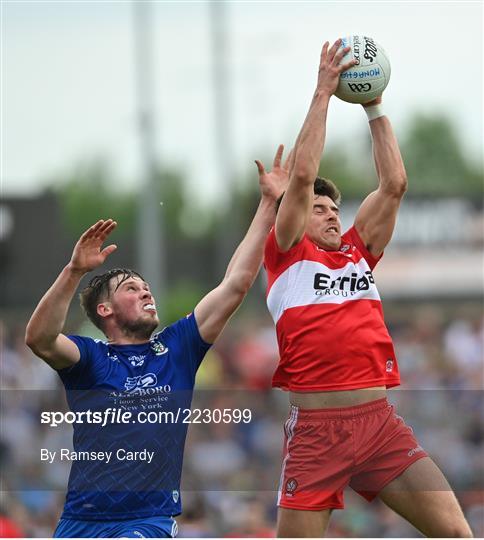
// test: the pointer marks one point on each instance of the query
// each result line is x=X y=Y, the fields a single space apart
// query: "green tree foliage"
x=90 y=192
x=353 y=175
x=435 y=161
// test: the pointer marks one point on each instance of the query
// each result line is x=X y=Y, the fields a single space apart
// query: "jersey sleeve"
x=82 y=374
x=274 y=258
x=185 y=332
x=353 y=237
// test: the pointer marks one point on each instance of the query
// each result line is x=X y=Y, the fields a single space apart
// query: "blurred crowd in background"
x=231 y=471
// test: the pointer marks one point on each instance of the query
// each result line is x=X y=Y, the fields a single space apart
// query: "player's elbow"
x=30 y=338
x=398 y=186
x=303 y=174
x=239 y=283
x=34 y=341
x=402 y=184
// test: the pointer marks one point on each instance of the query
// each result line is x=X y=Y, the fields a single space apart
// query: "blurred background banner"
x=153 y=114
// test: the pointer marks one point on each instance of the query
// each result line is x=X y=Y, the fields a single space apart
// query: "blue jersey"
x=131 y=470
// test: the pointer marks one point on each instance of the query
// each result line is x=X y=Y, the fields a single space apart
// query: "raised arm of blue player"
x=44 y=329
x=215 y=309
x=297 y=203
x=377 y=215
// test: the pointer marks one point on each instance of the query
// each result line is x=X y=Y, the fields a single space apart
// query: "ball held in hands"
x=369 y=77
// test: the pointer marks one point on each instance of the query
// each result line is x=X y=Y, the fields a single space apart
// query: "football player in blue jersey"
x=125 y=475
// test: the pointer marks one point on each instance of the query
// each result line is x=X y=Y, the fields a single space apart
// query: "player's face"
x=324 y=225
x=133 y=306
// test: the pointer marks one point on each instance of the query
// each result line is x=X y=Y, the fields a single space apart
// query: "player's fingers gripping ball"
x=367 y=79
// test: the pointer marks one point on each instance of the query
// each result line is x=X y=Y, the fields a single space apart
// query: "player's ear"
x=104 y=309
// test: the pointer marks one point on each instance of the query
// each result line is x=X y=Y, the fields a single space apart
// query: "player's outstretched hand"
x=273 y=183
x=88 y=253
x=330 y=68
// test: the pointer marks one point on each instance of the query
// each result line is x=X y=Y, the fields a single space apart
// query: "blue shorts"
x=150 y=527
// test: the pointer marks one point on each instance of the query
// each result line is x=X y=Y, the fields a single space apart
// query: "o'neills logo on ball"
x=370 y=49
x=356 y=49
x=291 y=486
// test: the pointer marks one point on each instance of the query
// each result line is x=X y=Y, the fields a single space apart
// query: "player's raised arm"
x=43 y=334
x=376 y=218
x=216 y=308
x=296 y=204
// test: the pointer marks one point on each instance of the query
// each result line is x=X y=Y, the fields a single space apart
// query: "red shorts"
x=325 y=450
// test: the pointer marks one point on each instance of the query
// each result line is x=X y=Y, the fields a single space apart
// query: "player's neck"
x=123 y=336
x=127 y=341
x=326 y=247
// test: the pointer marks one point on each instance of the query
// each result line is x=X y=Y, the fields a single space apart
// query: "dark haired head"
x=323 y=187
x=98 y=290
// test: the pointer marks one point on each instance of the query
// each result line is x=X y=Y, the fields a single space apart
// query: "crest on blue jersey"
x=158 y=348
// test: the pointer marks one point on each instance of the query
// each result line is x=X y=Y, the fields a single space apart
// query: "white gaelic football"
x=367 y=79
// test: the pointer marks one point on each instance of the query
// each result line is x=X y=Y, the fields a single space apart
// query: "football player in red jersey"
x=336 y=355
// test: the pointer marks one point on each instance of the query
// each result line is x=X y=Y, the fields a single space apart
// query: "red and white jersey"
x=328 y=316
